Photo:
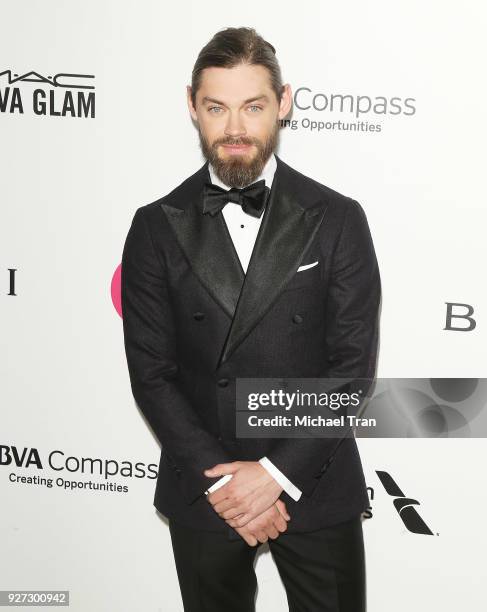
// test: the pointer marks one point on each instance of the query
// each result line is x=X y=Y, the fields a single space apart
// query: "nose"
x=234 y=125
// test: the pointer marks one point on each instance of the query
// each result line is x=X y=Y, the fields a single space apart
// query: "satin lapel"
x=291 y=219
x=206 y=243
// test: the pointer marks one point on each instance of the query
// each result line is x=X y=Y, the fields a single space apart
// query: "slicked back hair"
x=233 y=46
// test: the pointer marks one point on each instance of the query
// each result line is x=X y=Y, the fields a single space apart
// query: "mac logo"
x=57 y=80
x=58 y=95
x=404 y=505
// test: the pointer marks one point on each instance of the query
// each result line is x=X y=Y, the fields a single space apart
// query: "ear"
x=286 y=101
x=190 y=103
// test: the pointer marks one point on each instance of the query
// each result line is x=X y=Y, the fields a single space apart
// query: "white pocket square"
x=306 y=266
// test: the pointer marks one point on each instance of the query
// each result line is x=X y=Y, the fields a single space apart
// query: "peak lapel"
x=291 y=219
x=206 y=242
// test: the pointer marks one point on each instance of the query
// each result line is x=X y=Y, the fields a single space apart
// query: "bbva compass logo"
x=404 y=505
x=64 y=94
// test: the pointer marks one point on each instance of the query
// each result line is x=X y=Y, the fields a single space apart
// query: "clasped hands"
x=249 y=502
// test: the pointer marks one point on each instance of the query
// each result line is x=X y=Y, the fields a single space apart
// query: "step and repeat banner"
x=388 y=108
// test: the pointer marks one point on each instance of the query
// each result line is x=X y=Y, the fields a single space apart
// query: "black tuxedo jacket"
x=193 y=322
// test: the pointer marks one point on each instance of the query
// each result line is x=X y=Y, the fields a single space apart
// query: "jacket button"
x=297 y=318
x=198 y=316
x=223 y=382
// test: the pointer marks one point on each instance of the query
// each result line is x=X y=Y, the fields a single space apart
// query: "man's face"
x=238 y=115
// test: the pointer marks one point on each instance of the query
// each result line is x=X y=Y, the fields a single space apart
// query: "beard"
x=239 y=170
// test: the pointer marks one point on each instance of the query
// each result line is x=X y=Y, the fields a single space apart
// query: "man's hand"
x=270 y=524
x=250 y=492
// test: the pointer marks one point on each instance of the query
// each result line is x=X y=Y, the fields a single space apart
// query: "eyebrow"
x=208 y=99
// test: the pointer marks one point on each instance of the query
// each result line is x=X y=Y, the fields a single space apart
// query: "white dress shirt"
x=243 y=229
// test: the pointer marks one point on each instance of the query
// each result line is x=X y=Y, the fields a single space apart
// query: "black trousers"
x=322 y=571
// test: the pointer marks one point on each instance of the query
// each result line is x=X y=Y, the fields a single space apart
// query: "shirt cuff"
x=286 y=484
x=219 y=483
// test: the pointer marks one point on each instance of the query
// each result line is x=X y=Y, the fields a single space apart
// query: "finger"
x=221 y=505
x=281 y=506
x=232 y=513
x=287 y=516
x=227 y=505
x=242 y=520
x=269 y=526
x=220 y=469
x=221 y=494
x=272 y=532
x=262 y=536
x=231 y=504
x=232 y=521
x=249 y=513
x=280 y=524
x=248 y=537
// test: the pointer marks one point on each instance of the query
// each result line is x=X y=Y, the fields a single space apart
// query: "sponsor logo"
x=405 y=506
x=63 y=94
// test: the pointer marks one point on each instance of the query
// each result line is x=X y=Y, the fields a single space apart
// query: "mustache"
x=233 y=141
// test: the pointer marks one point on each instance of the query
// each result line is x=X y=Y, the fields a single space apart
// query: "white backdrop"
x=70 y=187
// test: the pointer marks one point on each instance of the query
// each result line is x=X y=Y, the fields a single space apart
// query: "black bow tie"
x=252 y=198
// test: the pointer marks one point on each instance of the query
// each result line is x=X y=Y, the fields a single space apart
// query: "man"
x=248 y=268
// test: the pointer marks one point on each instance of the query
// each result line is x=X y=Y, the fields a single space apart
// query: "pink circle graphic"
x=116 y=289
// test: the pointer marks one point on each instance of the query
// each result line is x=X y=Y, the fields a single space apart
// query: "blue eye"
x=218 y=108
